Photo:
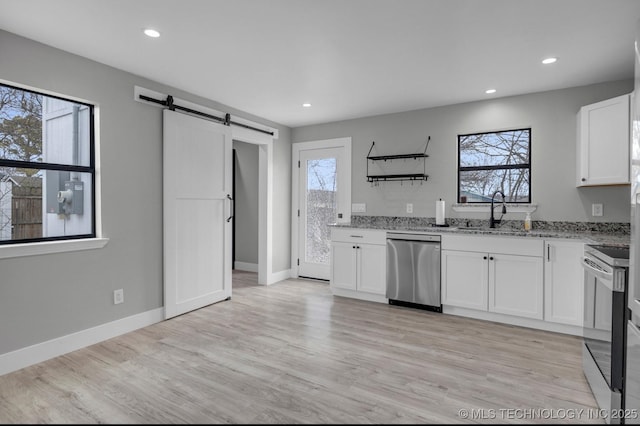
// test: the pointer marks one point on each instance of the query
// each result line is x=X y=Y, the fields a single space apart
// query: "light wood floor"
x=293 y=353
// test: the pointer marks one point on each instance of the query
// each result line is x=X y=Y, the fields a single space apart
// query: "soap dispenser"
x=527 y=222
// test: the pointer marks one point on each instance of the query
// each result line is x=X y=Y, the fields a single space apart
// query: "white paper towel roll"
x=440 y=212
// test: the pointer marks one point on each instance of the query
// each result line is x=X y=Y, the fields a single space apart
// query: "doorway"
x=322 y=196
x=244 y=131
x=246 y=195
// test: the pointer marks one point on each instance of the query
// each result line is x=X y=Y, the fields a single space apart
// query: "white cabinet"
x=371 y=271
x=358 y=263
x=494 y=274
x=516 y=285
x=603 y=143
x=343 y=265
x=564 y=282
x=465 y=279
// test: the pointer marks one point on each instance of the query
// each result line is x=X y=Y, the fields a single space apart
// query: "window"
x=47 y=170
x=495 y=161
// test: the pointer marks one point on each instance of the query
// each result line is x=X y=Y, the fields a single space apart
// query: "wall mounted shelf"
x=398 y=176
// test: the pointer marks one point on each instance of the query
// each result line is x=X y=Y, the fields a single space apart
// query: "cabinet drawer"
x=356 y=235
x=490 y=244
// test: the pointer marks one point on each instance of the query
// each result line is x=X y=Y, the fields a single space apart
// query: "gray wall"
x=552 y=118
x=40 y=300
x=246 y=202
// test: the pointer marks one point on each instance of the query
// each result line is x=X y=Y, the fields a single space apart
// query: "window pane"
x=44 y=203
x=321 y=208
x=39 y=128
x=479 y=185
x=495 y=149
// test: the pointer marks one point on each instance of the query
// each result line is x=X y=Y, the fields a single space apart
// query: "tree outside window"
x=495 y=161
x=46 y=167
x=321 y=208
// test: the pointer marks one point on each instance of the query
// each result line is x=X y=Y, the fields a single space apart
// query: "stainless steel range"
x=606 y=270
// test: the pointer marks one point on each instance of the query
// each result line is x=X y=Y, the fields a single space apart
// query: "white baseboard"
x=21 y=358
x=359 y=295
x=245 y=266
x=279 y=276
x=513 y=320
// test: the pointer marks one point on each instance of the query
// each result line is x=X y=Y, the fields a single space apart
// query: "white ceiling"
x=348 y=58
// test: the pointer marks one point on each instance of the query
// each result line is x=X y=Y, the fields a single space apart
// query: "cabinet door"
x=343 y=265
x=603 y=142
x=564 y=282
x=464 y=279
x=371 y=268
x=515 y=285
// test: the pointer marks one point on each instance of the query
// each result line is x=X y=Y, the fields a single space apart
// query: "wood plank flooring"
x=293 y=353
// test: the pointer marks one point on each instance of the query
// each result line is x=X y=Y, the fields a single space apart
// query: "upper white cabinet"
x=603 y=143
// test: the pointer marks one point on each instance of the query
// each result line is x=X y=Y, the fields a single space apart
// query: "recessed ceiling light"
x=490 y=91
x=306 y=105
x=152 y=33
x=549 y=60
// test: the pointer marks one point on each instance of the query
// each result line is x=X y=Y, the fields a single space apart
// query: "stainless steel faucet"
x=492 y=219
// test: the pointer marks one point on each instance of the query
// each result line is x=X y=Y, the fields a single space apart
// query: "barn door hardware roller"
x=226 y=120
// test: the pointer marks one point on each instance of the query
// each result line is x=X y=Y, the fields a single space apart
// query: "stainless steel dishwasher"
x=413 y=270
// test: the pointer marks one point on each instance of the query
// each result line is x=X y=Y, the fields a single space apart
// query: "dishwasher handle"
x=413 y=237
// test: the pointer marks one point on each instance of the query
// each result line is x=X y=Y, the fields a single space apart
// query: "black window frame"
x=90 y=169
x=496 y=167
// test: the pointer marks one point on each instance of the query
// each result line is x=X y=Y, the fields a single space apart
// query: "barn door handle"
x=232 y=208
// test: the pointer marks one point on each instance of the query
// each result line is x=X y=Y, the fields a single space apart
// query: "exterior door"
x=321 y=188
x=197 y=212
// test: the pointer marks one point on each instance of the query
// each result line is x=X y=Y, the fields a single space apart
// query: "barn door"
x=197 y=212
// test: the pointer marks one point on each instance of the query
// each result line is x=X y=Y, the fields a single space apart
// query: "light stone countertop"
x=612 y=239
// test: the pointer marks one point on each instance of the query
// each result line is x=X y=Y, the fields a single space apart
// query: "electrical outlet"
x=118 y=296
x=409 y=208
x=596 y=209
x=358 y=208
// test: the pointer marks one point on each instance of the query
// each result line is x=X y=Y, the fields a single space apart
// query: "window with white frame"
x=495 y=161
x=47 y=167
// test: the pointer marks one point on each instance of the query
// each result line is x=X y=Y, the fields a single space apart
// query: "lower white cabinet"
x=564 y=282
x=517 y=280
x=493 y=282
x=494 y=274
x=516 y=285
x=343 y=265
x=358 y=262
x=465 y=279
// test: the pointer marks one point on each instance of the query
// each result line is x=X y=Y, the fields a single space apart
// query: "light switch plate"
x=596 y=209
x=358 y=208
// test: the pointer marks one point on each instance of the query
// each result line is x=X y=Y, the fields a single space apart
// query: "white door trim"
x=295 y=185
x=265 y=202
x=265 y=173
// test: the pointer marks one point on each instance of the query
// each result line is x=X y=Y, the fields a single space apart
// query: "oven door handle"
x=605 y=277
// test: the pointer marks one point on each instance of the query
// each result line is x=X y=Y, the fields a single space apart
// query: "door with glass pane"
x=320 y=204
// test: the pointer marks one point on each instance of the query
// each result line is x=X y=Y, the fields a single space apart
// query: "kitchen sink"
x=486 y=228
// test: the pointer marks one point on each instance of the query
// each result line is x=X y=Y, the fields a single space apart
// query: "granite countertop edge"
x=611 y=239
